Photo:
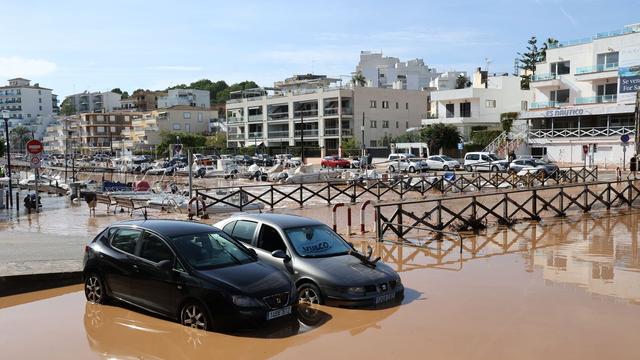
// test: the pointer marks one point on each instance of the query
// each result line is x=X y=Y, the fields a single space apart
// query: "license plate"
x=384 y=298
x=278 y=313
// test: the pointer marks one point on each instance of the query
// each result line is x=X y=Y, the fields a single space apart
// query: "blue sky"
x=72 y=46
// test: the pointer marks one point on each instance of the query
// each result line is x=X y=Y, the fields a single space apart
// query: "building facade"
x=389 y=72
x=61 y=134
x=141 y=101
x=93 y=102
x=310 y=106
x=446 y=81
x=28 y=105
x=479 y=106
x=585 y=94
x=104 y=132
x=185 y=97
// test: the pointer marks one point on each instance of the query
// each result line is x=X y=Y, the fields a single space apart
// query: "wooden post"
x=505 y=209
x=534 y=203
x=439 y=214
x=586 y=198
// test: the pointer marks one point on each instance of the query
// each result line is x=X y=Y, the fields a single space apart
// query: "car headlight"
x=356 y=290
x=245 y=301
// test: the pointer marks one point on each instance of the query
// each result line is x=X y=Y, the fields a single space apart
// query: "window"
x=112 y=118
x=40 y=108
x=199 y=117
x=186 y=115
x=100 y=129
x=397 y=124
x=270 y=239
x=385 y=124
x=465 y=109
x=40 y=100
x=210 y=250
x=244 y=230
x=559 y=96
x=385 y=104
x=450 y=110
x=176 y=126
x=490 y=103
x=126 y=240
x=607 y=60
x=373 y=143
x=113 y=129
x=39 y=92
x=373 y=124
x=561 y=68
x=524 y=105
x=229 y=228
x=372 y=104
x=316 y=241
x=473 y=157
x=608 y=89
x=397 y=105
x=154 y=249
x=406 y=124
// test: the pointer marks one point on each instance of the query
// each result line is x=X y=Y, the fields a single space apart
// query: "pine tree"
x=528 y=62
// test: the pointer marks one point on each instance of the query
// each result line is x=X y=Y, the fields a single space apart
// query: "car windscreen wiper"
x=364 y=259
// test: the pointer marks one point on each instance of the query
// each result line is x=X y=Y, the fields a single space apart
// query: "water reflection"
x=598 y=254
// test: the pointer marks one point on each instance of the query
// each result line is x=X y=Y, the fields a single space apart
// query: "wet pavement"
x=562 y=289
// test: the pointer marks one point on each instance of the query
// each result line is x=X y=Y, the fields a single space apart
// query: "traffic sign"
x=460 y=146
x=35 y=161
x=34 y=147
x=624 y=138
x=585 y=148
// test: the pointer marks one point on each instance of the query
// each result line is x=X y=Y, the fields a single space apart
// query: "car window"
x=393 y=157
x=473 y=157
x=210 y=250
x=316 y=241
x=244 y=231
x=446 y=158
x=494 y=157
x=126 y=240
x=228 y=229
x=485 y=158
x=270 y=240
x=154 y=249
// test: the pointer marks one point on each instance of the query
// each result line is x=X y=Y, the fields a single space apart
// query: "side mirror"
x=253 y=252
x=165 y=265
x=280 y=255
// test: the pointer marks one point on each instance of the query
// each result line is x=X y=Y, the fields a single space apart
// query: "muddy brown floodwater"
x=558 y=289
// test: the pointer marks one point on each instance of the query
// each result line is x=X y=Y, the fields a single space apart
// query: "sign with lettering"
x=566 y=112
x=629 y=74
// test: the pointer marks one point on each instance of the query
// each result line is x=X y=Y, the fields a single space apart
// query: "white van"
x=484 y=161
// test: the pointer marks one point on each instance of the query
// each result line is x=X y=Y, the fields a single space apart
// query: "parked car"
x=263 y=160
x=442 y=162
x=190 y=272
x=533 y=165
x=335 y=162
x=243 y=160
x=325 y=268
x=354 y=162
x=486 y=161
x=408 y=163
x=401 y=156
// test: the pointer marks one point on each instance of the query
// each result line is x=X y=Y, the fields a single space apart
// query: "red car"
x=335 y=162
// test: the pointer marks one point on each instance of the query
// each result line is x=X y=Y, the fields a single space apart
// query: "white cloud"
x=177 y=68
x=15 y=66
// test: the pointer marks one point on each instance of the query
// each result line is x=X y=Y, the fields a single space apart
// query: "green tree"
x=116 y=90
x=358 y=79
x=2 y=146
x=125 y=95
x=409 y=136
x=462 y=82
x=547 y=44
x=528 y=61
x=482 y=138
x=223 y=95
x=440 y=136
x=350 y=146
x=19 y=136
x=218 y=140
x=188 y=141
x=67 y=108
x=506 y=119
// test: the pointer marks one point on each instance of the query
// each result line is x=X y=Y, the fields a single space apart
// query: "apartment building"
x=103 y=132
x=585 y=94
x=28 y=105
x=446 y=81
x=480 y=105
x=94 y=102
x=141 y=101
x=145 y=130
x=185 y=97
x=314 y=107
x=61 y=134
x=389 y=72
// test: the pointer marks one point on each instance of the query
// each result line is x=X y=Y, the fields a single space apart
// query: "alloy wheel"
x=309 y=296
x=93 y=289
x=193 y=316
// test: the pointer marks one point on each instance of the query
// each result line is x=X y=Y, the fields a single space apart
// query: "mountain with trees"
x=219 y=90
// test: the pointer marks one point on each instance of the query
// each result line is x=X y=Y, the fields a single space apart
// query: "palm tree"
x=358 y=79
x=545 y=46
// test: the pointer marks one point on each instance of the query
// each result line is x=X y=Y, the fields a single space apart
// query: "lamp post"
x=5 y=117
x=302 y=136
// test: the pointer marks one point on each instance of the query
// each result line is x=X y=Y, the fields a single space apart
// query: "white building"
x=29 y=105
x=478 y=106
x=93 y=102
x=390 y=72
x=584 y=95
x=446 y=81
x=185 y=97
x=330 y=114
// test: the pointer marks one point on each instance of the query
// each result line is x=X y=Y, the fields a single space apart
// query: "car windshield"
x=446 y=158
x=541 y=162
x=210 y=250
x=494 y=157
x=316 y=241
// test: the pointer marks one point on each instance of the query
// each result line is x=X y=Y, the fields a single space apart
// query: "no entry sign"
x=34 y=147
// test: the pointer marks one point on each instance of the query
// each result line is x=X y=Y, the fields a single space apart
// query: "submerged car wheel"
x=494 y=168
x=468 y=168
x=445 y=168
x=94 y=290
x=412 y=169
x=309 y=294
x=392 y=169
x=195 y=316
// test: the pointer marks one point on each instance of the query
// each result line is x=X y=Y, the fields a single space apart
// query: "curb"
x=19 y=284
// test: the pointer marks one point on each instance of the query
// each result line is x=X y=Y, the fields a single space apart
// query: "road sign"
x=585 y=148
x=35 y=161
x=460 y=146
x=624 y=138
x=34 y=147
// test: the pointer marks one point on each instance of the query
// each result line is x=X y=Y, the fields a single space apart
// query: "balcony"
x=256 y=118
x=278 y=134
x=334 y=111
x=255 y=135
x=545 y=80
x=543 y=105
x=544 y=77
x=596 y=68
x=306 y=113
x=331 y=132
x=602 y=99
x=597 y=72
x=236 y=136
x=233 y=119
x=278 y=116
x=307 y=132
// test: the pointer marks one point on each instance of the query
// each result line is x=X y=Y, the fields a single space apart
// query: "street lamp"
x=5 y=117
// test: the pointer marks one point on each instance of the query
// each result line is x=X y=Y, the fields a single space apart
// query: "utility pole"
x=5 y=117
x=302 y=137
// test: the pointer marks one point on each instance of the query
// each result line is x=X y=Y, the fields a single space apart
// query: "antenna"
x=487 y=61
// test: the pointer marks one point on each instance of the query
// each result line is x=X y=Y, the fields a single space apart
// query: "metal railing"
x=596 y=68
x=234 y=119
x=543 y=105
x=255 y=135
x=307 y=132
x=543 y=77
x=306 y=113
x=256 y=118
x=597 y=99
x=278 y=116
x=278 y=134
x=582 y=132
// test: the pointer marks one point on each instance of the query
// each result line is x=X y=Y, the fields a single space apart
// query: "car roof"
x=168 y=227
x=283 y=221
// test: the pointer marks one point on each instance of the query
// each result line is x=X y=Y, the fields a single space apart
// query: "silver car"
x=408 y=163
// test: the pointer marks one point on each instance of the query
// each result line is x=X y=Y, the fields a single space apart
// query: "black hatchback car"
x=190 y=272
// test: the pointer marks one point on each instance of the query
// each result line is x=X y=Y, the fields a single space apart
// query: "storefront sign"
x=629 y=75
x=566 y=112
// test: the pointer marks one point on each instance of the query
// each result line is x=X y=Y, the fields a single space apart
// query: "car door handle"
x=135 y=267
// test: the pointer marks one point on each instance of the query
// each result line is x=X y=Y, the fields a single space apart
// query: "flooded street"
x=562 y=289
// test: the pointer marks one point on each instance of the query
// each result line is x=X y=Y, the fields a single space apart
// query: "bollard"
x=334 y=217
x=362 y=208
x=18 y=202
x=618 y=174
x=349 y=220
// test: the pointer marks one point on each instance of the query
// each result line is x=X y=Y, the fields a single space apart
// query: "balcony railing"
x=255 y=135
x=544 y=77
x=256 y=118
x=331 y=132
x=278 y=116
x=278 y=134
x=543 y=105
x=582 y=132
x=307 y=132
x=236 y=136
x=233 y=119
x=596 y=68
x=597 y=99
x=347 y=132
x=306 y=113
x=334 y=111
